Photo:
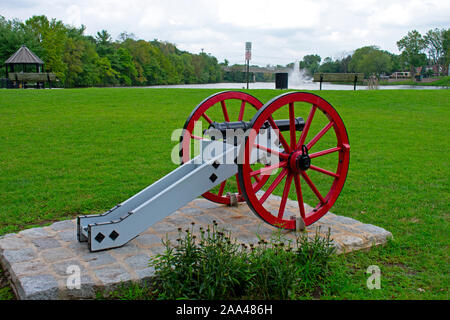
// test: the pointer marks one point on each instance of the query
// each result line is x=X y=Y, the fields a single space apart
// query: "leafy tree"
x=371 y=60
x=411 y=47
x=344 y=63
x=73 y=54
x=103 y=38
x=124 y=36
x=434 y=42
x=188 y=74
x=51 y=36
x=107 y=75
x=329 y=66
x=122 y=62
x=310 y=63
x=446 y=49
x=140 y=51
x=104 y=44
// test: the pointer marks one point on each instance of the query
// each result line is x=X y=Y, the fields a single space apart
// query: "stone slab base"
x=41 y=262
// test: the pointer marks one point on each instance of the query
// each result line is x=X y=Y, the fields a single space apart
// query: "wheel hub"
x=299 y=160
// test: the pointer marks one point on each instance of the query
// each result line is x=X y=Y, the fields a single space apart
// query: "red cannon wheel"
x=223 y=106
x=303 y=154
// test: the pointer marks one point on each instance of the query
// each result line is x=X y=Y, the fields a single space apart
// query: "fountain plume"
x=298 y=76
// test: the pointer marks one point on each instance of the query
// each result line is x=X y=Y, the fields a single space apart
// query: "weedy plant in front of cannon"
x=286 y=269
x=210 y=264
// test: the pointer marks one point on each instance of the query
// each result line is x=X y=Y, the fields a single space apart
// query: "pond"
x=302 y=86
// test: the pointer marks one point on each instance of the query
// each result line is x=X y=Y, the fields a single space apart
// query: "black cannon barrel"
x=283 y=125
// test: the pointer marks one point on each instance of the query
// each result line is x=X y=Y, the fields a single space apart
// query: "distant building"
x=401 y=75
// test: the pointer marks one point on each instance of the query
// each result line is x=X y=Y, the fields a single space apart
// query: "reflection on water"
x=301 y=86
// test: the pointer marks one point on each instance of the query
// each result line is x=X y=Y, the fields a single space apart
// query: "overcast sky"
x=280 y=31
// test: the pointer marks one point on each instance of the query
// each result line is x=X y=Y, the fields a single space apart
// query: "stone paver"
x=20 y=255
x=42 y=262
x=112 y=275
x=38 y=287
x=56 y=254
x=46 y=243
x=95 y=259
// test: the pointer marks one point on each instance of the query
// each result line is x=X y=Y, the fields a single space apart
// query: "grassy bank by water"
x=70 y=152
x=443 y=82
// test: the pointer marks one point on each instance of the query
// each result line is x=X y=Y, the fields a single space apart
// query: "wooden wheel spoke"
x=196 y=137
x=224 y=110
x=205 y=116
x=280 y=135
x=332 y=174
x=298 y=190
x=287 y=187
x=319 y=135
x=222 y=187
x=274 y=184
x=292 y=126
x=268 y=169
x=241 y=111
x=307 y=126
x=324 y=152
x=280 y=154
x=312 y=186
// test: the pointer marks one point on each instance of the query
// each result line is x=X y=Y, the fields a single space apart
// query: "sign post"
x=248 y=56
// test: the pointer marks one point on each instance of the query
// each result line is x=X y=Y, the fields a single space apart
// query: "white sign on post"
x=248 y=50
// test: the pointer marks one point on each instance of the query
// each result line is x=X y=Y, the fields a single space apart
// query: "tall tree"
x=73 y=55
x=411 y=47
x=446 y=48
x=434 y=42
x=122 y=62
x=370 y=60
x=103 y=37
x=51 y=36
x=329 y=66
x=311 y=63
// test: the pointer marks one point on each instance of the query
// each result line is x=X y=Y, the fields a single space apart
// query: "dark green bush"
x=213 y=265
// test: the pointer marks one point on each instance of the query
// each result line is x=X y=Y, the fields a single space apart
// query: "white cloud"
x=281 y=31
x=73 y=13
x=269 y=14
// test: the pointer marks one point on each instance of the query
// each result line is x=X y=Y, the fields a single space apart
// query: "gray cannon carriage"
x=287 y=141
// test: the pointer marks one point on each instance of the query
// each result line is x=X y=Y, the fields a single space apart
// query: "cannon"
x=296 y=145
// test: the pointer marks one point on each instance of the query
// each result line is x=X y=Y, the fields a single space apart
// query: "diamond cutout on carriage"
x=213 y=177
x=113 y=235
x=99 y=237
x=216 y=164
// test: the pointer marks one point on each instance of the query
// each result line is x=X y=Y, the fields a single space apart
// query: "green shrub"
x=281 y=270
x=213 y=265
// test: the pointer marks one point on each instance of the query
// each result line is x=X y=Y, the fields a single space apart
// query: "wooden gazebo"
x=23 y=67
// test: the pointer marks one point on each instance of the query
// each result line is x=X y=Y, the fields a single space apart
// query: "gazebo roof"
x=24 y=55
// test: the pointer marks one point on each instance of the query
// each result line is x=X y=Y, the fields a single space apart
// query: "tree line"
x=416 y=50
x=80 y=60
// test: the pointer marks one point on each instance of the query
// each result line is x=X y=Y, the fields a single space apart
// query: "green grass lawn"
x=70 y=152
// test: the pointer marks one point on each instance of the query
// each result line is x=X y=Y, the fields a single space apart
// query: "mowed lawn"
x=70 y=152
